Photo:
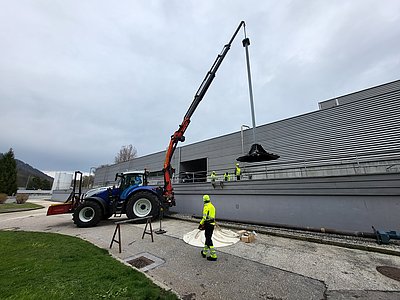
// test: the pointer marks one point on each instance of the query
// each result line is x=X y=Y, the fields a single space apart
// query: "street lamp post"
x=241 y=135
x=256 y=153
x=246 y=43
x=27 y=182
x=90 y=172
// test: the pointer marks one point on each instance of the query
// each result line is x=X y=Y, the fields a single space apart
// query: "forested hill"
x=24 y=171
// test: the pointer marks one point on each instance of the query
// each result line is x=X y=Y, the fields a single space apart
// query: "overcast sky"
x=79 y=79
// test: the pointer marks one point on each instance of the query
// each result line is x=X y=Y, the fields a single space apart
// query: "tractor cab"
x=128 y=181
x=125 y=183
x=131 y=178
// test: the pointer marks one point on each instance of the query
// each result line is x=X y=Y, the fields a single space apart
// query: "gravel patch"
x=347 y=241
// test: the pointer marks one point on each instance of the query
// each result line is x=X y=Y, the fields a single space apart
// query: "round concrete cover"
x=220 y=238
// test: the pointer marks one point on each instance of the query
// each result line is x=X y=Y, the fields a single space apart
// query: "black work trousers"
x=208 y=231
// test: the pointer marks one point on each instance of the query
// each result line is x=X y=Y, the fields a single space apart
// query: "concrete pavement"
x=270 y=268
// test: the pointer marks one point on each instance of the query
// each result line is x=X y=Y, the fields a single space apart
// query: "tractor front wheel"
x=87 y=214
x=141 y=205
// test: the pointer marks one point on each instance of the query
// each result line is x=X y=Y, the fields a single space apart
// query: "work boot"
x=213 y=254
x=204 y=252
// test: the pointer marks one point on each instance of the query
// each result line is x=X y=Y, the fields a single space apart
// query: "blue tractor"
x=131 y=196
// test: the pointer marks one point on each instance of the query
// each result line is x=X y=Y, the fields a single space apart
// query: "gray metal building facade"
x=339 y=168
x=353 y=134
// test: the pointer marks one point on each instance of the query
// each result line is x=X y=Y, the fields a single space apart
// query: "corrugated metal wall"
x=364 y=127
x=382 y=89
x=346 y=203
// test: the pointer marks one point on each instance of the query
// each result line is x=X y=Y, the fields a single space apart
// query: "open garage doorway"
x=193 y=171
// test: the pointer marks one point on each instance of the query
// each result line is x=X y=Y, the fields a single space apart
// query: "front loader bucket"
x=257 y=154
x=61 y=208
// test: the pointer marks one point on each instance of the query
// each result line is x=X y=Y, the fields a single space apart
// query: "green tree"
x=8 y=173
x=34 y=184
x=2 y=174
x=46 y=185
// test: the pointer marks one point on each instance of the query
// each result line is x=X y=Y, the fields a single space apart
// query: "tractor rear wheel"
x=87 y=214
x=141 y=205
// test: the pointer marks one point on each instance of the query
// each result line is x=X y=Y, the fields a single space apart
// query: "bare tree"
x=126 y=153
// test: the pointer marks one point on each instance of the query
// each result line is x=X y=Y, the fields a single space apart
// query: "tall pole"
x=90 y=172
x=246 y=43
x=241 y=135
x=27 y=182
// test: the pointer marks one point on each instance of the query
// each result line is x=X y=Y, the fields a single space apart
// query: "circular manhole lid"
x=391 y=272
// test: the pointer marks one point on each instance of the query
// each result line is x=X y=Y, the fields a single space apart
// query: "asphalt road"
x=270 y=268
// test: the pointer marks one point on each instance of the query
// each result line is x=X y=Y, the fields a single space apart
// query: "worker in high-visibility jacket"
x=237 y=171
x=207 y=224
x=213 y=176
x=227 y=177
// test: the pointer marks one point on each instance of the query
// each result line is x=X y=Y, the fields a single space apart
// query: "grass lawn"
x=38 y=265
x=10 y=207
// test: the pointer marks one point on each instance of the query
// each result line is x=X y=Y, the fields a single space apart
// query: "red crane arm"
x=178 y=136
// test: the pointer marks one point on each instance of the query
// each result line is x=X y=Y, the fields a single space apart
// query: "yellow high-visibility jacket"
x=208 y=214
x=237 y=171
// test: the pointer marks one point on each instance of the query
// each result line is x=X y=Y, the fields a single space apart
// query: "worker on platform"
x=207 y=224
x=227 y=177
x=237 y=171
x=213 y=176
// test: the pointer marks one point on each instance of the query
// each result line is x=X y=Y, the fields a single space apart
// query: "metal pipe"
x=236 y=223
x=90 y=172
x=246 y=43
x=241 y=135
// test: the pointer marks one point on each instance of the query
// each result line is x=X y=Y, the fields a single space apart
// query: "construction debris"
x=246 y=236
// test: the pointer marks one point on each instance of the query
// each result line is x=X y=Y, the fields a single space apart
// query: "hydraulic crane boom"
x=178 y=136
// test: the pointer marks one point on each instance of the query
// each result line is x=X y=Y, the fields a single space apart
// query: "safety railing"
x=368 y=163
